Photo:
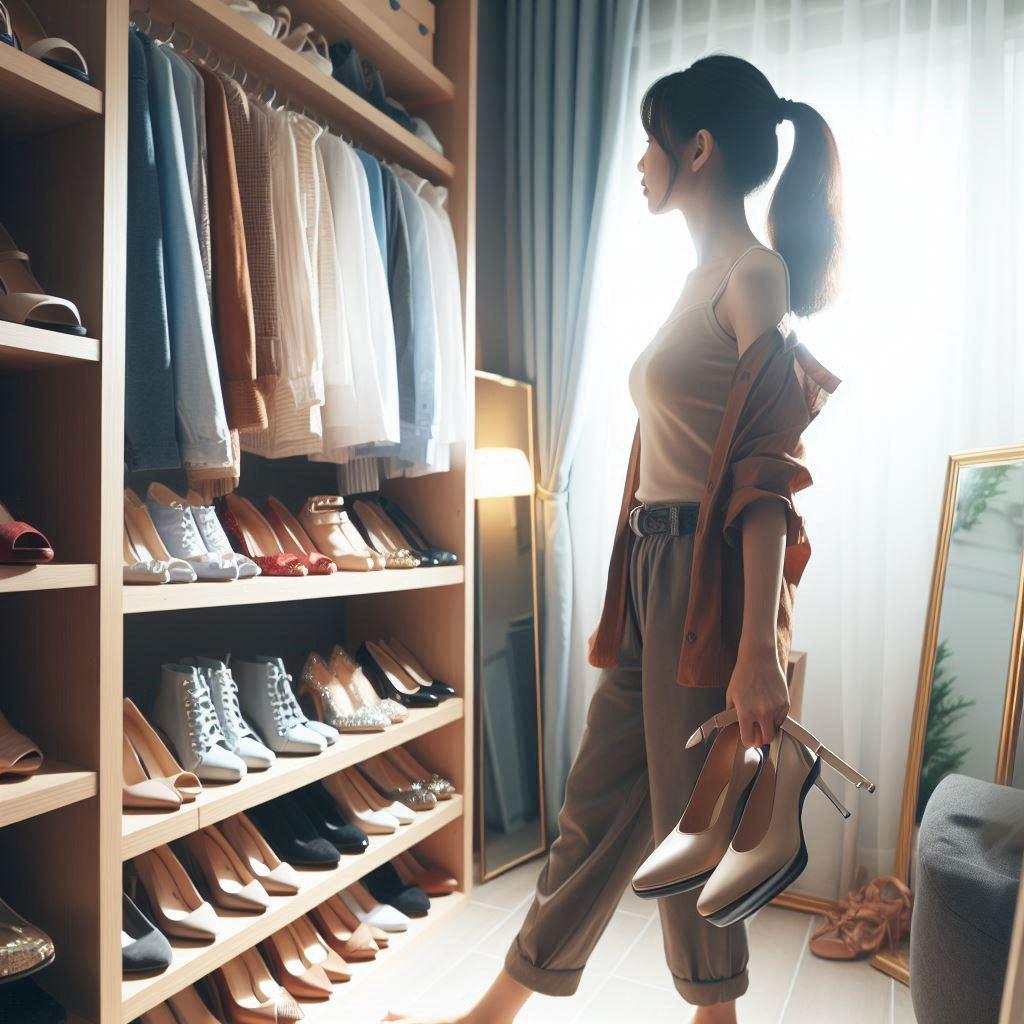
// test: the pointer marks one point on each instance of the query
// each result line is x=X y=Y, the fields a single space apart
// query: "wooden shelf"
x=35 y=98
x=270 y=589
x=54 y=785
x=269 y=60
x=54 y=576
x=333 y=1010
x=408 y=76
x=141 y=832
x=238 y=932
x=29 y=348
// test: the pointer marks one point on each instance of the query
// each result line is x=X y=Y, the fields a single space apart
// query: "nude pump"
x=767 y=853
x=688 y=855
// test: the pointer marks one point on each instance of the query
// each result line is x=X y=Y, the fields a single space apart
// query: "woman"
x=711 y=141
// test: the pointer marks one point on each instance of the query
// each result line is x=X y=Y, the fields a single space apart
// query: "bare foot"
x=500 y=1004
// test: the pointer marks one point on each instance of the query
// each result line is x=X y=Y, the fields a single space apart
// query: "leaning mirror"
x=510 y=811
x=967 y=711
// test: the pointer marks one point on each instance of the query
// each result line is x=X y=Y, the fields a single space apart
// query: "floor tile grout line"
x=501 y=923
x=613 y=969
x=796 y=971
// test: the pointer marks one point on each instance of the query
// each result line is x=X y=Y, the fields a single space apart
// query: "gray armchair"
x=968 y=873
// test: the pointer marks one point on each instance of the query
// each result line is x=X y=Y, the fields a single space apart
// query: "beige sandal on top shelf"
x=22 y=300
x=18 y=754
x=310 y=44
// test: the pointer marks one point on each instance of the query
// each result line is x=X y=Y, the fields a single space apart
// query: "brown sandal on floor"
x=873 y=917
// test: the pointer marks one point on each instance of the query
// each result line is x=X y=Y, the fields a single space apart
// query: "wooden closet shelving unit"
x=63 y=653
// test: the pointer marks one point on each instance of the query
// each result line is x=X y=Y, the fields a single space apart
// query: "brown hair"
x=736 y=103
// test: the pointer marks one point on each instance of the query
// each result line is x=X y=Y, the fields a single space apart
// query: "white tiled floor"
x=626 y=978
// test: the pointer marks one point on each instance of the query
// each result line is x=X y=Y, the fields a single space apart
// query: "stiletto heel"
x=836 y=802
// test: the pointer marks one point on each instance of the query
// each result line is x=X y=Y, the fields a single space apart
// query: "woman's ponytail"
x=805 y=216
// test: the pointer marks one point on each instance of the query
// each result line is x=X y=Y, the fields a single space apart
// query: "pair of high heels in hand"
x=740 y=839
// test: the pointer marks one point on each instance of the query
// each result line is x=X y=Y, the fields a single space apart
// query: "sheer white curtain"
x=926 y=101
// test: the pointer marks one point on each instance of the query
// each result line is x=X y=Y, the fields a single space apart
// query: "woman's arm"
x=758 y=685
x=754 y=299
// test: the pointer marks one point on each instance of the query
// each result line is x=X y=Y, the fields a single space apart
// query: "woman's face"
x=655 y=174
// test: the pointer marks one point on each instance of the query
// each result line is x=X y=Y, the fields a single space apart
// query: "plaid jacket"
x=777 y=389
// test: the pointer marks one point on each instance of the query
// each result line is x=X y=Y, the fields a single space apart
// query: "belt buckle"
x=673 y=520
x=634 y=520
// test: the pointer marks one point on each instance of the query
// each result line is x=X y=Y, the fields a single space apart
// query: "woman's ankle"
x=501 y=1003
x=720 y=1013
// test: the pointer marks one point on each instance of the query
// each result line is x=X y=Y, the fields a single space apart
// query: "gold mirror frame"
x=897 y=964
x=506 y=434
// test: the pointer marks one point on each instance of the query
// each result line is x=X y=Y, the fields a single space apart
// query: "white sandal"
x=22 y=300
x=310 y=44
x=248 y=9
x=32 y=38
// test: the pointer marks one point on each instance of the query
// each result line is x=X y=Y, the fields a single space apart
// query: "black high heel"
x=375 y=665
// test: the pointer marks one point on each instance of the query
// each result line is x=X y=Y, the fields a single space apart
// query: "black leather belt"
x=676 y=520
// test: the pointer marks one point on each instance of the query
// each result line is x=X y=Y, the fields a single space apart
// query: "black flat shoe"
x=291 y=834
x=383 y=679
x=414 y=535
x=149 y=949
x=329 y=820
x=386 y=886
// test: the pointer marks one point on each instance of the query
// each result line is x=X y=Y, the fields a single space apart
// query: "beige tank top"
x=679 y=384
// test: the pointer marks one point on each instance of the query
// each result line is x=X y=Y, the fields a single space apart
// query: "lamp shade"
x=502 y=473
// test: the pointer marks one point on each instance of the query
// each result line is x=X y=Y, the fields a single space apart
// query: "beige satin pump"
x=229 y=880
x=178 y=909
x=686 y=857
x=767 y=852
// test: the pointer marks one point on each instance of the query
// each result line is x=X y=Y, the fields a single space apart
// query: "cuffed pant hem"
x=541 y=979
x=709 y=993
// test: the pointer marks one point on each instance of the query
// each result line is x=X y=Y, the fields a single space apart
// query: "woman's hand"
x=759 y=691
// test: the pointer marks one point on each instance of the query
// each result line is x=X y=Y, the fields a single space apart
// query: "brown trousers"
x=626 y=791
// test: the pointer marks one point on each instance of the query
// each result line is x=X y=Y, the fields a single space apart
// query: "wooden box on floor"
x=63 y=627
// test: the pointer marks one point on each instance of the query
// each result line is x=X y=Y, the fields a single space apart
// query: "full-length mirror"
x=967 y=711
x=510 y=786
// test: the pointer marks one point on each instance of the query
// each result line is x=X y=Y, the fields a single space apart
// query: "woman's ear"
x=703 y=146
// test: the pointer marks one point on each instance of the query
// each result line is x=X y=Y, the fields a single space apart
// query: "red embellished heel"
x=256 y=538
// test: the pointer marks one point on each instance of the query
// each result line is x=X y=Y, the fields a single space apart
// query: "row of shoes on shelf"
x=308 y=957
x=171 y=538
x=24 y=948
x=21 y=28
x=243 y=863
x=340 y=60
x=223 y=719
